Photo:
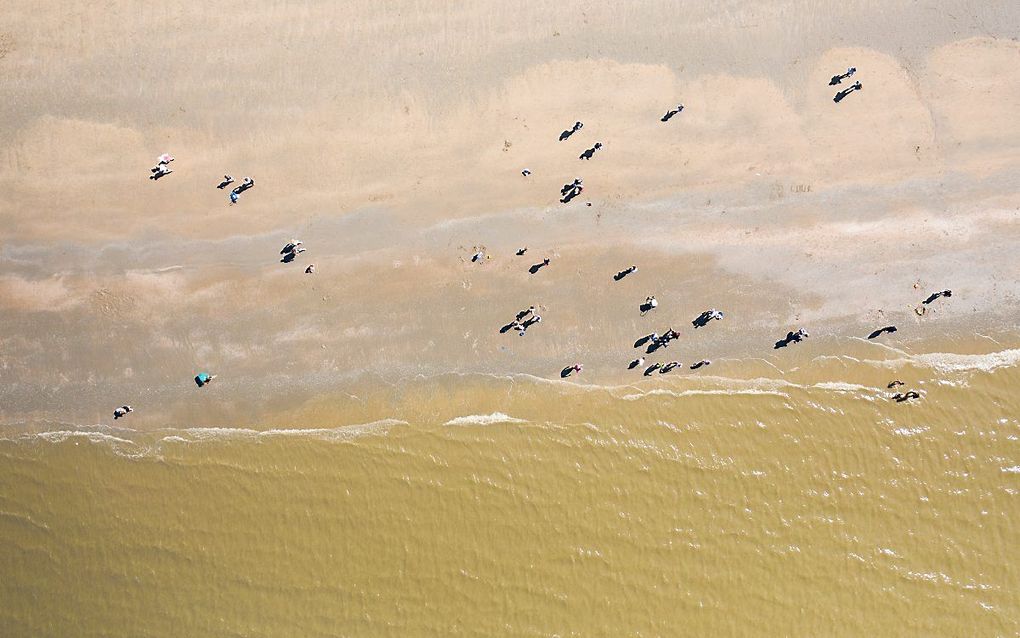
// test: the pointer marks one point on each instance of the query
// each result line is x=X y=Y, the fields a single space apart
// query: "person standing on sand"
x=204 y=378
x=524 y=313
x=121 y=411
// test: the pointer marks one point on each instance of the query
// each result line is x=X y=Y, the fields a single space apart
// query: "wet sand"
x=391 y=140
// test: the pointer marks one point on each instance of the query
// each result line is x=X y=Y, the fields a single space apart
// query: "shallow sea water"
x=677 y=507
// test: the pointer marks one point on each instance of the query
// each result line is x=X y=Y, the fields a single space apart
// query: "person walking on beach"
x=792 y=337
x=204 y=378
x=292 y=255
x=291 y=246
x=856 y=86
x=162 y=162
x=623 y=273
x=900 y=397
x=527 y=324
x=836 y=79
x=577 y=183
x=936 y=295
x=245 y=185
x=670 y=113
x=588 y=154
x=121 y=411
x=567 y=133
x=650 y=304
x=160 y=171
x=703 y=319
x=539 y=266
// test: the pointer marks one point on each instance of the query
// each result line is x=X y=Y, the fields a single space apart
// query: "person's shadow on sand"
x=791 y=337
x=539 y=266
x=642 y=341
x=785 y=341
x=880 y=331
x=702 y=320
x=652 y=368
x=289 y=257
x=570 y=131
x=936 y=295
x=588 y=154
x=845 y=92
x=900 y=397
x=566 y=372
x=570 y=195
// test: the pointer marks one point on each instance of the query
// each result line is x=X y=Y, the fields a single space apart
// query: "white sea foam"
x=484 y=419
x=949 y=362
x=197 y=435
x=910 y=431
x=687 y=393
x=1011 y=470
x=841 y=386
x=144 y=441
x=63 y=435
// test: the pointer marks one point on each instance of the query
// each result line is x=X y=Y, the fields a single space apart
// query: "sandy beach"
x=391 y=141
x=391 y=137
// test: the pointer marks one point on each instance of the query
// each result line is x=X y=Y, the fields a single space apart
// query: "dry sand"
x=390 y=138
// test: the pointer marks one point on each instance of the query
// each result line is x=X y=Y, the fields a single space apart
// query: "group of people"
x=235 y=193
x=836 y=79
x=291 y=250
x=650 y=304
x=528 y=317
x=162 y=167
x=524 y=320
x=792 y=337
x=571 y=190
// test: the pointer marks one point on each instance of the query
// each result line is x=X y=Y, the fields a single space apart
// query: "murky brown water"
x=682 y=508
